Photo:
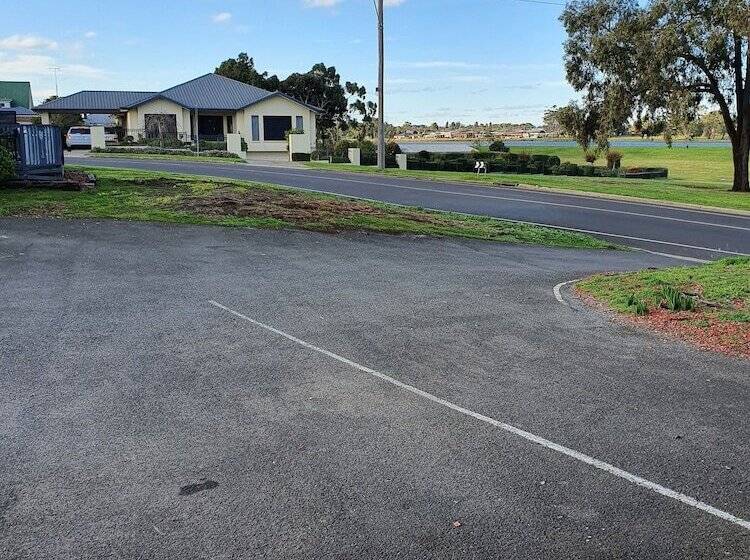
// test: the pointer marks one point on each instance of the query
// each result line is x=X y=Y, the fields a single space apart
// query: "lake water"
x=413 y=147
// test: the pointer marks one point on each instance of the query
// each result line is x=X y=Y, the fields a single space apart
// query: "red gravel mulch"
x=699 y=327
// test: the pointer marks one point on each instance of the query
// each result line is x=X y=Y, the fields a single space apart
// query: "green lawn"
x=696 y=176
x=168 y=197
x=176 y=157
x=725 y=284
x=708 y=305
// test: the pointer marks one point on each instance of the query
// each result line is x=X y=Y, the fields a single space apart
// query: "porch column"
x=45 y=117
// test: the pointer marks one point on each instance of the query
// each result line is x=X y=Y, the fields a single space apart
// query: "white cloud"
x=27 y=43
x=23 y=66
x=90 y=34
x=221 y=17
x=393 y=2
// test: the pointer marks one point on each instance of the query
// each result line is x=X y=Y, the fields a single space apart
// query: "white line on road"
x=596 y=463
x=558 y=295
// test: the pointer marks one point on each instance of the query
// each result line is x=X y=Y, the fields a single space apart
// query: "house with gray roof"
x=206 y=108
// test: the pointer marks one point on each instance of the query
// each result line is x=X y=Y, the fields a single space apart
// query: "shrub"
x=614 y=158
x=588 y=170
x=498 y=146
x=568 y=168
x=167 y=142
x=341 y=148
x=340 y=159
x=296 y=156
x=212 y=145
x=553 y=160
x=367 y=148
x=243 y=144
x=424 y=155
x=589 y=156
x=7 y=165
x=164 y=151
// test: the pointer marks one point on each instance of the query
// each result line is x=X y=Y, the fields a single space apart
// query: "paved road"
x=692 y=233
x=137 y=420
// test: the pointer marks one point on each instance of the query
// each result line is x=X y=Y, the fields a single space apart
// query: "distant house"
x=206 y=108
x=16 y=97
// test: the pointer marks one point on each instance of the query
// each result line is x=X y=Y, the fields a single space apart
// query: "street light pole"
x=381 y=96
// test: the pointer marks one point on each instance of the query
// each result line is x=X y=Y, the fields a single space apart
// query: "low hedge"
x=523 y=164
x=296 y=156
x=164 y=152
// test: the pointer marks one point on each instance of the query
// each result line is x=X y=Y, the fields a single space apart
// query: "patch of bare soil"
x=46 y=210
x=701 y=327
x=289 y=207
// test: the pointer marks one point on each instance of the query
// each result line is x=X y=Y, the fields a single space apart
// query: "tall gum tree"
x=648 y=55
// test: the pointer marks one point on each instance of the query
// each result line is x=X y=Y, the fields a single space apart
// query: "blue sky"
x=468 y=60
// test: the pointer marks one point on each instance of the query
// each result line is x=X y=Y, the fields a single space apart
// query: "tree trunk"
x=741 y=157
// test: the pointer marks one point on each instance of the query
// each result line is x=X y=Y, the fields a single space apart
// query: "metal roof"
x=19 y=93
x=209 y=92
x=96 y=101
x=212 y=92
x=21 y=111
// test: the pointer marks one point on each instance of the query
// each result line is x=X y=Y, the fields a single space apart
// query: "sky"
x=446 y=60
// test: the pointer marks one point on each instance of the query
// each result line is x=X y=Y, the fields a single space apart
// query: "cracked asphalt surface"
x=139 y=421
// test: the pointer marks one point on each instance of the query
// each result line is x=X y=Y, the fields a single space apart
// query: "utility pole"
x=381 y=96
x=55 y=70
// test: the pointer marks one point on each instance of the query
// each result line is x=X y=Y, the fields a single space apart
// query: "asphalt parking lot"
x=334 y=404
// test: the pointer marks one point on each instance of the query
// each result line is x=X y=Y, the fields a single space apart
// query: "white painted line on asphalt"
x=671 y=256
x=558 y=294
x=596 y=463
x=496 y=197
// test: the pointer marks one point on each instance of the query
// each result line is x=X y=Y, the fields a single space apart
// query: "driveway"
x=658 y=228
x=351 y=396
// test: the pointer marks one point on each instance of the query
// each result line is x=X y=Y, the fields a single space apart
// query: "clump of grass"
x=636 y=305
x=676 y=300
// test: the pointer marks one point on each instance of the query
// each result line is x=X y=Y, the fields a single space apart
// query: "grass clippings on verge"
x=174 y=198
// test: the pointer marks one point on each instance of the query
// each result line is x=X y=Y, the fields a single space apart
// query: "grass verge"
x=708 y=304
x=176 y=157
x=174 y=198
x=698 y=176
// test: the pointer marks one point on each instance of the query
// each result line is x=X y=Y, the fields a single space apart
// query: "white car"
x=81 y=136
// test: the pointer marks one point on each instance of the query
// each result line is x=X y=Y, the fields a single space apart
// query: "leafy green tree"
x=243 y=70
x=582 y=123
x=713 y=125
x=320 y=87
x=630 y=55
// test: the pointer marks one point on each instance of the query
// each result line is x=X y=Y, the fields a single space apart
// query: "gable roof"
x=212 y=92
x=209 y=92
x=96 y=101
x=19 y=93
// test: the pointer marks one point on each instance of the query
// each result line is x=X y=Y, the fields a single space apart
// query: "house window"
x=275 y=128
x=255 y=128
x=299 y=124
x=230 y=124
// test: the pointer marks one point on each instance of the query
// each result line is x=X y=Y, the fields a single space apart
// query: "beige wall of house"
x=241 y=120
x=274 y=107
x=136 y=115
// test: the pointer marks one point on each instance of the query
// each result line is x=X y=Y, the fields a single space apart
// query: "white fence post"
x=234 y=144
x=355 y=156
x=401 y=161
x=98 y=139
